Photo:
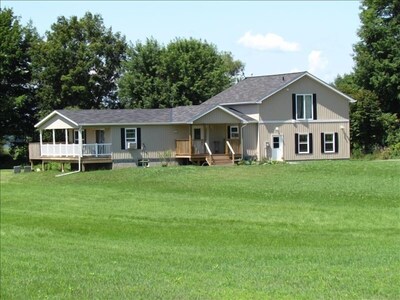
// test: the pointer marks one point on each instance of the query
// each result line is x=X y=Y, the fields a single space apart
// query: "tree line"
x=80 y=63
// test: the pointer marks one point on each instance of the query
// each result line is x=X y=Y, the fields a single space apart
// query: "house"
x=289 y=117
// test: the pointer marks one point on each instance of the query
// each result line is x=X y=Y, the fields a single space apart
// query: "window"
x=275 y=142
x=303 y=143
x=197 y=133
x=304 y=106
x=234 y=132
x=130 y=136
x=329 y=142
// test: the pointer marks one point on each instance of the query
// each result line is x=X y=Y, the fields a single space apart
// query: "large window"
x=304 y=107
x=76 y=136
x=130 y=136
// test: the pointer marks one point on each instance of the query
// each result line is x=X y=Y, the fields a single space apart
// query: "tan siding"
x=157 y=138
x=216 y=116
x=250 y=140
x=330 y=105
x=252 y=110
x=289 y=130
x=57 y=122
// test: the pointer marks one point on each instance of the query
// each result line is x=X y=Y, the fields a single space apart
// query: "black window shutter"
x=315 y=106
x=310 y=143
x=123 y=138
x=139 y=138
x=336 y=142
x=322 y=142
x=294 y=106
x=228 y=134
x=296 y=143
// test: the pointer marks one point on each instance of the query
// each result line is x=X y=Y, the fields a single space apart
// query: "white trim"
x=51 y=115
x=126 y=139
x=303 y=121
x=212 y=109
x=303 y=143
x=305 y=107
x=312 y=77
x=230 y=132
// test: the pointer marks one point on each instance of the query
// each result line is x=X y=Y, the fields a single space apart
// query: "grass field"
x=312 y=230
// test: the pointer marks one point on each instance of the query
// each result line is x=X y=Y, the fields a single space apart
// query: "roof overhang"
x=351 y=100
x=214 y=108
x=51 y=115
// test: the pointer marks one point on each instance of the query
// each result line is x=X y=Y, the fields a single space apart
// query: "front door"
x=277 y=147
x=198 y=140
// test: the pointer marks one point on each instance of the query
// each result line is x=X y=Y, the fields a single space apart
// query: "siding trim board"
x=303 y=121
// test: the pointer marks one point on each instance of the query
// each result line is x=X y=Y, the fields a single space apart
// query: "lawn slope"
x=312 y=230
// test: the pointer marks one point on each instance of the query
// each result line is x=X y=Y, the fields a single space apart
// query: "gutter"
x=74 y=172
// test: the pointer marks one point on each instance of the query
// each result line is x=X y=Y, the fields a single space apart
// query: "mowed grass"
x=294 y=231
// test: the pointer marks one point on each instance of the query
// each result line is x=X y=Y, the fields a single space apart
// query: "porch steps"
x=222 y=160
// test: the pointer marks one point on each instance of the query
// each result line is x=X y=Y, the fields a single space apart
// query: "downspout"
x=79 y=159
x=241 y=134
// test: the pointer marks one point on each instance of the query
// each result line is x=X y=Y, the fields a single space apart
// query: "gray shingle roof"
x=253 y=89
x=249 y=90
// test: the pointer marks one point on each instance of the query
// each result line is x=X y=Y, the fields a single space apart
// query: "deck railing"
x=182 y=147
x=231 y=151
x=74 y=150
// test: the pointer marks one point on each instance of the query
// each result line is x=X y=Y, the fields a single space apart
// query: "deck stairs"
x=222 y=160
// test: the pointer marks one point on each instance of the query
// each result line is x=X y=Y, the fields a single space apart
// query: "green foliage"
x=377 y=54
x=305 y=231
x=17 y=93
x=185 y=72
x=370 y=127
x=78 y=63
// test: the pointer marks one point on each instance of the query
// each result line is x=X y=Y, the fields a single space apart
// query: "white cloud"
x=316 y=61
x=269 y=41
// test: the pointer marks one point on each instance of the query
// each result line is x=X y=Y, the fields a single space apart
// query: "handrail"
x=209 y=154
x=231 y=150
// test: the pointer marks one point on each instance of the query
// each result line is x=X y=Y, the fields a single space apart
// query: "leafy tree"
x=17 y=94
x=78 y=64
x=185 y=72
x=143 y=85
x=370 y=127
x=377 y=55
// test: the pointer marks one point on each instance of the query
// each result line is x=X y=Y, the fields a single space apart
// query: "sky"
x=270 y=37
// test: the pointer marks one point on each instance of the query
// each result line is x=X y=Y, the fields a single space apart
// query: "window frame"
x=234 y=135
x=128 y=139
x=299 y=143
x=76 y=136
x=305 y=107
x=331 y=142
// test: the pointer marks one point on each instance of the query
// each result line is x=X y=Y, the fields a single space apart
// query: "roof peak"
x=276 y=75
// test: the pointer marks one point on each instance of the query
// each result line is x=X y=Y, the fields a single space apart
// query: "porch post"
x=80 y=141
x=54 y=137
x=41 y=139
x=66 y=136
x=190 y=140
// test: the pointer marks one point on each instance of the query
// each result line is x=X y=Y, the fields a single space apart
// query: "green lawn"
x=312 y=230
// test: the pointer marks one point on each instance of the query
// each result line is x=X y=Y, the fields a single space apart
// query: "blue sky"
x=268 y=36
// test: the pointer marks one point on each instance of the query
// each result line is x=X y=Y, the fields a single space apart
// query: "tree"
x=143 y=85
x=17 y=94
x=185 y=72
x=377 y=55
x=370 y=127
x=78 y=64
